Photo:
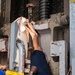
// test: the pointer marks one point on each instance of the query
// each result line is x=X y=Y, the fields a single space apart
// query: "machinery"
x=18 y=45
x=54 y=46
x=20 y=54
x=54 y=40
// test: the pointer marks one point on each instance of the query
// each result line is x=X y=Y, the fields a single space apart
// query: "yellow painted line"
x=9 y=72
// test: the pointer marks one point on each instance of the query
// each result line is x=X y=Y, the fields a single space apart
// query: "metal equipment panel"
x=72 y=31
x=59 y=48
x=14 y=29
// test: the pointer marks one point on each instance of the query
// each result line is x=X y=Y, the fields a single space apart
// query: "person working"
x=38 y=64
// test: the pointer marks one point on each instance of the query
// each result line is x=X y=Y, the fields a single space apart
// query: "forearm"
x=36 y=46
x=36 y=43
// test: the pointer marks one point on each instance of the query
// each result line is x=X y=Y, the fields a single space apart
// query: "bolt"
x=30 y=7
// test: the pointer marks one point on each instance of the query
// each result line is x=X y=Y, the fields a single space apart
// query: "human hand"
x=3 y=67
x=34 y=35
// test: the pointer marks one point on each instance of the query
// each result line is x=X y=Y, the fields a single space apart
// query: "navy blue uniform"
x=38 y=60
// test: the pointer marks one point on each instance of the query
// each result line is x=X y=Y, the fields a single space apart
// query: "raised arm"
x=34 y=36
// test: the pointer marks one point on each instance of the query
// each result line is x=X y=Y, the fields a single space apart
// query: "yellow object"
x=9 y=72
x=73 y=0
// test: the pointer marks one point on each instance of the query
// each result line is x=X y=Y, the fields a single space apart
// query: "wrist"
x=37 y=48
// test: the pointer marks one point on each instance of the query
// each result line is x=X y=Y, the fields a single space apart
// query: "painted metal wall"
x=72 y=31
x=72 y=35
